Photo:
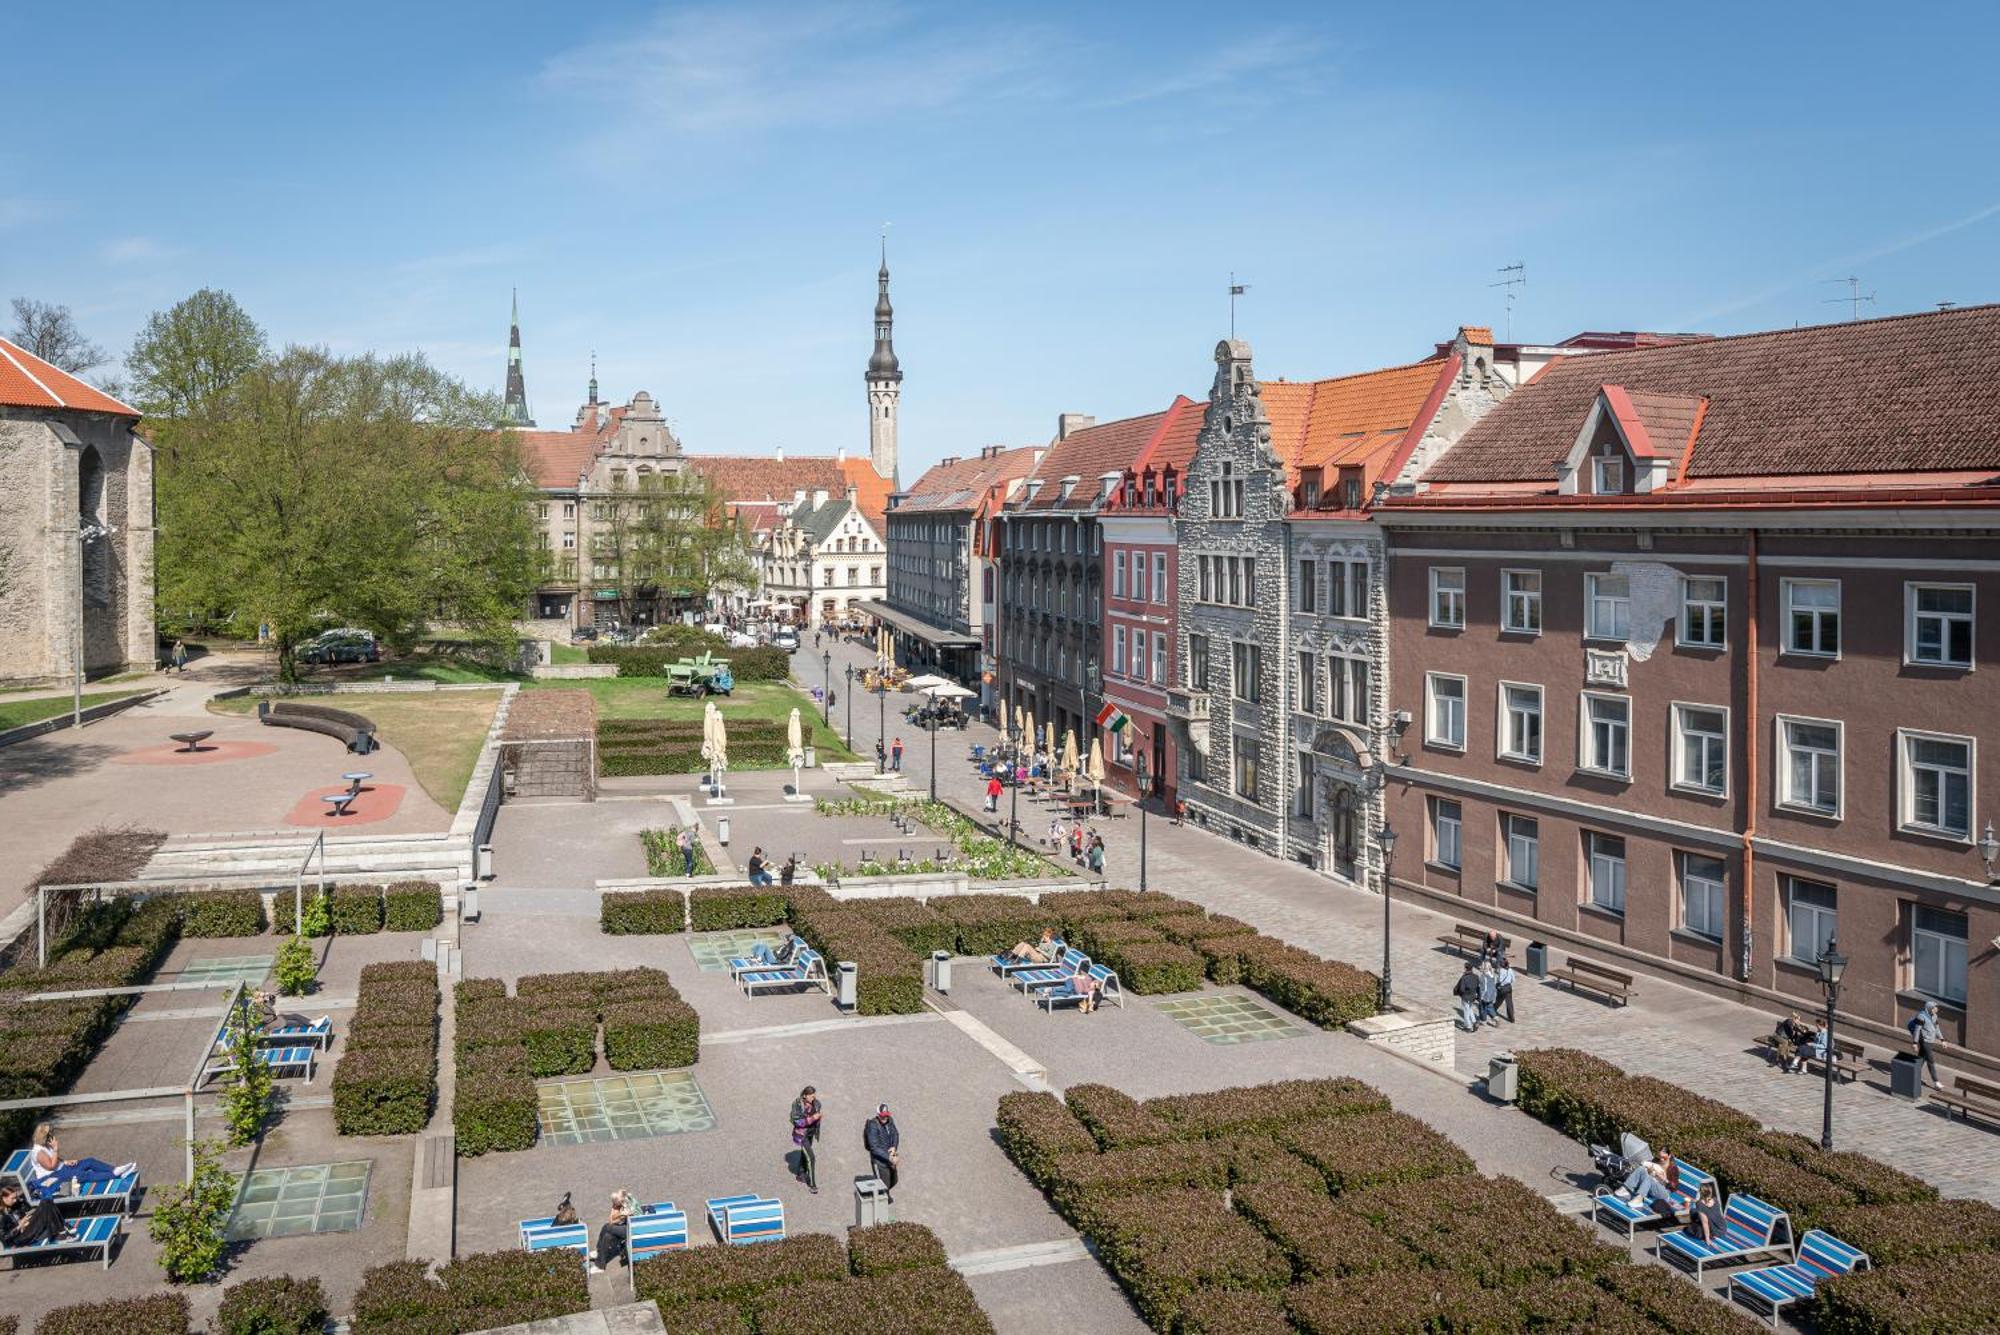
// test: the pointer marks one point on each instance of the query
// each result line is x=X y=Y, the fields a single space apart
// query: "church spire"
x=515 y=410
x=593 y=377
x=884 y=377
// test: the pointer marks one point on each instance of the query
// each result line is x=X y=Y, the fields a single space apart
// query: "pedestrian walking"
x=1076 y=841
x=896 y=755
x=884 y=1145
x=1055 y=832
x=1924 y=1031
x=180 y=657
x=1467 y=992
x=806 y=1114
x=1503 y=987
x=881 y=756
x=686 y=843
x=1095 y=855
x=993 y=786
x=1489 y=993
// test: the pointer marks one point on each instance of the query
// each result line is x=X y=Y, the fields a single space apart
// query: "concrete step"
x=289 y=838
x=438 y=861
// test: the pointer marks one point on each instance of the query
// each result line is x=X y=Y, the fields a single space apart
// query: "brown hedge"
x=1925 y=1231
x=1957 y=1295
x=1266 y=1107
x=1870 y=1181
x=1114 y=1118
x=1741 y=1166
x=1321 y=1238
x=1493 y=1230
x=1375 y=1149
x=159 y=1314
x=1036 y=1130
x=1674 y=1303
x=1164 y=1245
x=1208 y=1311
x=928 y=1302
x=1397 y=1301
x=879 y=1249
x=737 y=1274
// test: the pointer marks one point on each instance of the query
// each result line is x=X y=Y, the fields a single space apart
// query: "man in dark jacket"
x=1467 y=992
x=883 y=1139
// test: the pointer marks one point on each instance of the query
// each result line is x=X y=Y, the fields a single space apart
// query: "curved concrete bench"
x=355 y=730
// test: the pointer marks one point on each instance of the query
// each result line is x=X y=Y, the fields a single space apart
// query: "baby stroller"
x=1617 y=1165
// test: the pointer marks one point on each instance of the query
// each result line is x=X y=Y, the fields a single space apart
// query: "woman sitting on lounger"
x=1047 y=951
x=48 y=1170
x=1082 y=984
x=24 y=1225
x=781 y=958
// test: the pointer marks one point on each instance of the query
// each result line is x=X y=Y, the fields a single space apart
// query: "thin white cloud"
x=1261 y=62
x=1831 y=268
x=133 y=250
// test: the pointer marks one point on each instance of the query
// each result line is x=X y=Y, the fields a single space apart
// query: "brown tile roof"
x=1910 y=393
x=1090 y=453
x=1350 y=420
x=26 y=381
x=554 y=459
x=1655 y=425
x=963 y=484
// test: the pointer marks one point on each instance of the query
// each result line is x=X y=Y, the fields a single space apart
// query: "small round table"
x=338 y=801
x=355 y=779
x=189 y=741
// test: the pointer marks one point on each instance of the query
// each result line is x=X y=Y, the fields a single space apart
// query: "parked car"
x=583 y=634
x=786 y=639
x=340 y=647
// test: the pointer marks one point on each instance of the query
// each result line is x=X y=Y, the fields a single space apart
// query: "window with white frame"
x=1308 y=683
x=1159 y=577
x=1117 y=647
x=1523 y=838
x=1521 y=722
x=1607 y=607
x=1246 y=767
x=1444 y=713
x=1812 y=617
x=1607 y=734
x=1940 y=624
x=1937 y=953
x=1704 y=893
x=1521 y=602
x=1937 y=783
x=1138 y=585
x=1605 y=855
x=1446 y=833
x=1246 y=662
x=1308 y=584
x=1704 y=611
x=1809 y=917
x=1347 y=688
x=1448 y=597
x=1809 y=765
x=1608 y=474
x=1159 y=658
x=1117 y=576
x=1701 y=749
x=1138 y=659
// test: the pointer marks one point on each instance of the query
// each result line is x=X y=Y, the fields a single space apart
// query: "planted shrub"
x=160 y=1314
x=1255 y=1157
x=1327 y=993
x=1036 y=1130
x=1114 y=1118
x=279 y=1305
x=493 y=1107
x=1956 y=1293
x=1494 y=1230
x=1417 y=1300
x=1078 y=1180
x=1266 y=1107
x=1674 y=1303
x=1233 y=1312
x=1151 y=968
x=1927 y=1231
x=1556 y=1085
x=989 y=924
x=1375 y=1149
x=1740 y=1166
x=1164 y=1245
x=1871 y=1181
x=718 y=909
x=938 y=1302
x=1072 y=908
x=647 y=1034
x=880 y=1249
x=642 y=913
x=914 y=925
x=1320 y=1237
x=189 y=1218
x=737 y=1274
x=386 y=1082
x=357 y=909
x=412 y=906
x=213 y=913
x=1571 y=1303
x=472 y=1293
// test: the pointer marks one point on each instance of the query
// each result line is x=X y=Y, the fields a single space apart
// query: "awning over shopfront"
x=910 y=625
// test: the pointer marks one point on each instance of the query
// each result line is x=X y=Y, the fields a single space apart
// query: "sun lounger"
x=1007 y=965
x=1049 y=975
x=808 y=970
x=747 y=1219
x=546 y=1235
x=659 y=1230
x=94 y=1233
x=117 y=1191
x=1750 y=1229
x=1107 y=990
x=1821 y=1257
x=1631 y=1216
x=317 y=1034
x=742 y=964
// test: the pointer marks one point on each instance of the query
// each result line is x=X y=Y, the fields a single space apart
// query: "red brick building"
x=1695 y=645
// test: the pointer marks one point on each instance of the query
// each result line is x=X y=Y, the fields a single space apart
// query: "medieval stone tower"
x=885 y=380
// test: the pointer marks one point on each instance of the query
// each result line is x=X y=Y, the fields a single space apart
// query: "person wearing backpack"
x=1924 y=1032
x=805 y=1136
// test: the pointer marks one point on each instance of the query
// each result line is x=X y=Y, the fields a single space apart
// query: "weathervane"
x=1236 y=290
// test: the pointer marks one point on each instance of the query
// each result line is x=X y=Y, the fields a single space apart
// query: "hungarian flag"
x=1113 y=718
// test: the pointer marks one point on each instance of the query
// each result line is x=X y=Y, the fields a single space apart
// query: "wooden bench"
x=1466 y=939
x=1975 y=1098
x=1848 y=1058
x=355 y=731
x=1613 y=984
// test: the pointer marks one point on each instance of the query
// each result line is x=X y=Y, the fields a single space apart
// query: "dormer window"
x=1309 y=493
x=1607 y=477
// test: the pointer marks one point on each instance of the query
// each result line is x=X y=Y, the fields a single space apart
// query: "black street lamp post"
x=1385 y=838
x=826 y=687
x=934 y=728
x=850 y=706
x=1832 y=964
x=881 y=723
x=1139 y=767
x=1013 y=787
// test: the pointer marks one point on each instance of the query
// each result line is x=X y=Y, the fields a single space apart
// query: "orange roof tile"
x=1092 y=452
x=963 y=484
x=1348 y=421
x=26 y=381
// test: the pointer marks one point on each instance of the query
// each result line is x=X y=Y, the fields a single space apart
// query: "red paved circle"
x=378 y=801
x=210 y=752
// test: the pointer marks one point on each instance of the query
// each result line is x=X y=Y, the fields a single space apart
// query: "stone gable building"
x=76 y=528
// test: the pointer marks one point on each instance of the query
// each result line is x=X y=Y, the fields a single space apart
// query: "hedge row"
x=360 y=910
x=472 y=1293
x=386 y=1082
x=1931 y=1256
x=763 y=663
x=723 y=908
x=889 y=976
x=673 y=746
x=278 y=1305
x=550 y=1027
x=160 y=1314
x=642 y=913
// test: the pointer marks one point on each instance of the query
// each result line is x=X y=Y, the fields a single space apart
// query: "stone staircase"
x=269 y=855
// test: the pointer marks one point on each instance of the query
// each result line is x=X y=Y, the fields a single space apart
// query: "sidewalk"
x=1694 y=1040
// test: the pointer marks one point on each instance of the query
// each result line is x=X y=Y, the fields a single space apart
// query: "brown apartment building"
x=1695 y=658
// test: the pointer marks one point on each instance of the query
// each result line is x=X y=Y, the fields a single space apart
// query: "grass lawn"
x=568 y=653
x=439 y=734
x=15 y=713
x=646 y=697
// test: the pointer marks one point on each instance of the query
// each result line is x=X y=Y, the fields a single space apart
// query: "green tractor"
x=706 y=675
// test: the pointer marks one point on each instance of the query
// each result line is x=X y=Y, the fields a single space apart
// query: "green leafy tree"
x=188 y=358
x=189 y=1218
x=247 y=1099
x=666 y=544
x=295 y=968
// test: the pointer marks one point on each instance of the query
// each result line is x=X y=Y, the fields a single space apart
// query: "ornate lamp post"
x=881 y=723
x=934 y=728
x=1385 y=839
x=850 y=706
x=826 y=687
x=1140 y=768
x=1832 y=964
x=1013 y=783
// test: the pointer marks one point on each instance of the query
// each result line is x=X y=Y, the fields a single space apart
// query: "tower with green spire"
x=515 y=410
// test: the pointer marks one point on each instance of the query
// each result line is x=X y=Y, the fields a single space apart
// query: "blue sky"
x=695 y=190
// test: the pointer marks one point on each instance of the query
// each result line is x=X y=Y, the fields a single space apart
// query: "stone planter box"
x=1429 y=1036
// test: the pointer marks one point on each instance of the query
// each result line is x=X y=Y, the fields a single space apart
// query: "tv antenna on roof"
x=1236 y=290
x=1854 y=298
x=1513 y=277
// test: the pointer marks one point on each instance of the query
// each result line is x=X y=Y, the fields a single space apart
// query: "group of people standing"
x=880 y=1137
x=1486 y=987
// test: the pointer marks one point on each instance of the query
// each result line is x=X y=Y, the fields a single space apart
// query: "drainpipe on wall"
x=1750 y=787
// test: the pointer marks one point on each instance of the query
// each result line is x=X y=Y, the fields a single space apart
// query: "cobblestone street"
x=1699 y=1042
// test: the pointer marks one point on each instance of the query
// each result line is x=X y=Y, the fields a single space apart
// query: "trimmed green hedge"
x=673 y=746
x=1926 y=1231
x=213 y=913
x=935 y=1302
x=412 y=906
x=1493 y=1230
x=1163 y=1246
x=881 y=1249
x=735 y=1274
x=386 y=1081
x=1321 y=1238
x=278 y=1305
x=357 y=910
x=916 y=926
x=1115 y=1120
x=1266 y=1107
x=1952 y=1294
x=763 y=663
x=1375 y=1149
x=722 y=909
x=160 y=1314
x=989 y=924
x=890 y=977
x=1036 y=1131
x=642 y=913
x=472 y=1293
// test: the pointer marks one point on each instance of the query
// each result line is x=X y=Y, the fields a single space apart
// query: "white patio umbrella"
x=795 y=741
x=721 y=746
x=1069 y=756
x=1003 y=717
x=926 y=682
x=950 y=690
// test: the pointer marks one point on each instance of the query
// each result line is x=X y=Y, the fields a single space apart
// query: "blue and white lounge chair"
x=752 y=963
x=657 y=1231
x=317 y=1034
x=92 y=1233
x=1631 y=1216
x=1107 y=990
x=118 y=1191
x=546 y=1235
x=1750 y=1229
x=1007 y=965
x=747 y=1219
x=1049 y=975
x=808 y=970
x=1821 y=1257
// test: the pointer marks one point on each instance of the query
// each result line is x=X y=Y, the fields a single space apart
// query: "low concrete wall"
x=91 y=714
x=573 y=671
x=1426 y=1035
x=384 y=687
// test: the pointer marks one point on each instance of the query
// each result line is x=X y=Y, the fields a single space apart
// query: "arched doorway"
x=101 y=644
x=1343 y=827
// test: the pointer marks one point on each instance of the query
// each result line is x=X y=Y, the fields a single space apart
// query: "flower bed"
x=663 y=856
x=974 y=852
x=673 y=746
x=642 y=913
x=386 y=1081
x=472 y=1293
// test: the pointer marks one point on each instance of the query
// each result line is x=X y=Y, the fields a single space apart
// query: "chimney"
x=947 y=461
x=990 y=451
x=1072 y=422
x=798 y=497
x=780 y=453
x=839 y=455
x=1068 y=485
x=819 y=497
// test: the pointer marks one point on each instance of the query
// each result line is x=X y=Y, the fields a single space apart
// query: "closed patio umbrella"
x=1049 y=739
x=1028 y=729
x=795 y=738
x=1069 y=757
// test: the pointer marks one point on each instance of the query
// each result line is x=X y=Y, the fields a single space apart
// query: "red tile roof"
x=1353 y=420
x=1090 y=453
x=1910 y=393
x=554 y=459
x=26 y=381
x=963 y=485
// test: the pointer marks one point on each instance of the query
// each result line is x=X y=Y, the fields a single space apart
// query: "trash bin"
x=468 y=905
x=1538 y=959
x=483 y=863
x=941 y=970
x=812 y=757
x=722 y=830
x=871 y=1202
x=845 y=987
x=1904 y=1081
x=1502 y=1074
